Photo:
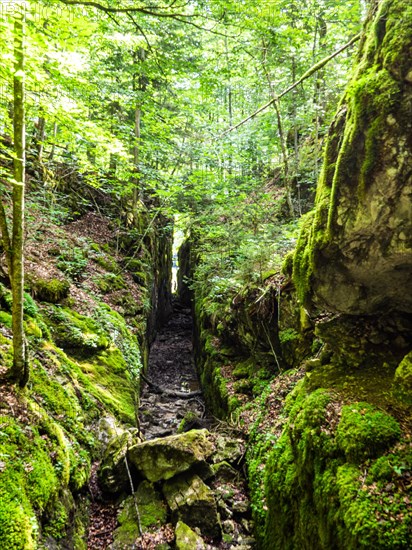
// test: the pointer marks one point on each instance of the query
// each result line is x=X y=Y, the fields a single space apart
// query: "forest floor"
x=172 y=369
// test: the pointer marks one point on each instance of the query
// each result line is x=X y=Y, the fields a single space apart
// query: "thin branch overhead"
x=306 y=75
x=154 y=10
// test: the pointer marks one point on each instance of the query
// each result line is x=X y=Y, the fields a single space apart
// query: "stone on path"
x=112 y=473
x=165 y=457
x=152 y=512
x=192 y=502
x=186 y=539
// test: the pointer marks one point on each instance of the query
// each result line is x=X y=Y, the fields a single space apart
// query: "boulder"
x=228 y=449
x=354 y=253
x=112 y=474
x=186 y=539
x=152 y=512
x=192 y=502
x=163 y=458
x=223 y=471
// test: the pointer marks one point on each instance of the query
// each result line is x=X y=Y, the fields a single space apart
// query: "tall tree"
x=14 y=242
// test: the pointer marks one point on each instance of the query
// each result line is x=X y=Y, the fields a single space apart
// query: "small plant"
x=72 y=263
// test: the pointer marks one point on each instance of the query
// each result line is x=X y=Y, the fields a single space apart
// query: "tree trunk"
x=39 y=137
x=136 y=177
x=54 y=141
x=19 y=371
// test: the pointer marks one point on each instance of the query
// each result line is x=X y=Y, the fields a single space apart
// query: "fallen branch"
x=306 y=75
x=139 y=523
x=170 y=393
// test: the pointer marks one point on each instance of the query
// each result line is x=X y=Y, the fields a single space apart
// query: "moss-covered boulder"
x=75 y=333
x=192 y=502
x=187 y=539
x=228 y=449
x=402 y=385
x=51 y=289
x=163 y=458
x=365 y=432
x=152 y=513
x=112 y=473
x=334 y=477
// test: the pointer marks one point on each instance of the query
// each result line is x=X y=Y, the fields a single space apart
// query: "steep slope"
x=90 y=292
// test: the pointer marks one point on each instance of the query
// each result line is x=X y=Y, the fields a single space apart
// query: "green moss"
x=152 y=512
x=56 y=526
x=28 y=482
x=287 y=266
x=29 y=306
x=75 y=333
x=5 y=319
x=364 y=431
x=32 y=329
x=106 y=261
x=313 y=494
x=106 y=377
x=371 y=519
x=402 y=384
x=48 y=290
x=186 y=421
x=18 y=523
x=110 y=282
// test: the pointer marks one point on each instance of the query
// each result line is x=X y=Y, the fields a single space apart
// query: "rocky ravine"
x=189 y=490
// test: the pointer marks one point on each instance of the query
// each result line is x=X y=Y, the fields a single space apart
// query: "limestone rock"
x=354 y=254
x=402 y=385
x=163 y=458
x=186 y=539
x=112 y=474
x=106 y=429
x=228 y=449
x=191 y=501
x=224 y=471
x=152 y=511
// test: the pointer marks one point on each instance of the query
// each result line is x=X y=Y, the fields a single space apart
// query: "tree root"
x=170 y=393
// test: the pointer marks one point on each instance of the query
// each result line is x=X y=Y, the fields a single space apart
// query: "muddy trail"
x=171 y=398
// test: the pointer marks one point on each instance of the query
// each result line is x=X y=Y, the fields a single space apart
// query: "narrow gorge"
x=205 y=275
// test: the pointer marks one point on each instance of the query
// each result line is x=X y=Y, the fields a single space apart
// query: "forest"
x=206 y=274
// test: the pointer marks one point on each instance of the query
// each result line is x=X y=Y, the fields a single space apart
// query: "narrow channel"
x=172 y=369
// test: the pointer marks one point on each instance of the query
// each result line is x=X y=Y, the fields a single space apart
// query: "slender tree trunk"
x=39 y=139
x=285 y=160
x=136 y=177
x=19 y=371
x=229 y=105
x=140 y=85
x=54 y=141
x=282 y=139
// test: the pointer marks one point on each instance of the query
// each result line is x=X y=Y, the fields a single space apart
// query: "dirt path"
x=171 y=367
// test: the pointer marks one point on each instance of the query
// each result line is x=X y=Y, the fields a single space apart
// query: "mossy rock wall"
x=335 y=477
x=237 y=334
x=354 y=254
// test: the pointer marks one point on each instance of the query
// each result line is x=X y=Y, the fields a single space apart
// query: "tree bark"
x=19 y=371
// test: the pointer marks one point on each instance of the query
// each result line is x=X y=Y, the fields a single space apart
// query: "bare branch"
x=306 y=75
x=153 y=11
